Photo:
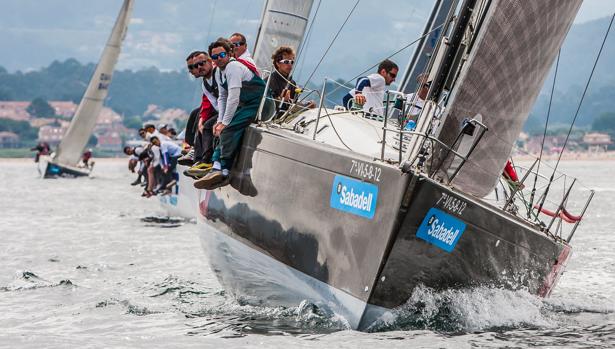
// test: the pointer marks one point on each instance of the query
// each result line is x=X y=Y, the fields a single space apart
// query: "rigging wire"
x=606 y=35
x=309 y=30
x=332 y=42
x=387 y=57
x=544 y=135
x=211 y=20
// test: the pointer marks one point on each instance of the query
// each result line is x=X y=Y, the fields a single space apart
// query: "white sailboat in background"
x=66 y=158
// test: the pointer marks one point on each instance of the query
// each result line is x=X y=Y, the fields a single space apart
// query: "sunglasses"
x=219 y=55
x=393 y=75
x=238 y=43
x=286 y=61
x=196 y=65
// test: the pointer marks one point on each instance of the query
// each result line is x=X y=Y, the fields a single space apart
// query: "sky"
x=34 y=33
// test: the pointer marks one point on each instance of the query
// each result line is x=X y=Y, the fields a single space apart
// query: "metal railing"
x=534 y=209
x=425 y=141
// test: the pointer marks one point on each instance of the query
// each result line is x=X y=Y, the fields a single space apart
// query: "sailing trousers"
x=168 y=176
x=192 y=126
x=231 y=137
x=204 y=141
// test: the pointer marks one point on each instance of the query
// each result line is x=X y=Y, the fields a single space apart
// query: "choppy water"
x=79 y=267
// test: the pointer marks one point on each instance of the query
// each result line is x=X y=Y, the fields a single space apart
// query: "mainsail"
x=512 y=55
x=80 y=129
x=283 y=24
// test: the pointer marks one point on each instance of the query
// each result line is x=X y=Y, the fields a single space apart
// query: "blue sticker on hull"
x=353 y=196
x=441 y=229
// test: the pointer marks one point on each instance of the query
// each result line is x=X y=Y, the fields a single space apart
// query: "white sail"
x=76 y=137
x=283 y=24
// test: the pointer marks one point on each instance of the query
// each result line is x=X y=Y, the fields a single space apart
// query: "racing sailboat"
x=65 y=160
x=353 y=212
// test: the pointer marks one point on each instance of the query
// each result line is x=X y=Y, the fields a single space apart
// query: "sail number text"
x=365 y=170
x=452 y=204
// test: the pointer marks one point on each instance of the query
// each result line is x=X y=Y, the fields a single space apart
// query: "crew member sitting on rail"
x=202 y=66
x=240 y=91
x=369 y=90
x=239 y=45
x=169 y=153
x=138 y=156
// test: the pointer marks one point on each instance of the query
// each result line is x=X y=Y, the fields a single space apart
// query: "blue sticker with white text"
x=441 y=229
x=354 y=196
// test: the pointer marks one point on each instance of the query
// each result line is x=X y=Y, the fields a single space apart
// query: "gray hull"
x=357 y=235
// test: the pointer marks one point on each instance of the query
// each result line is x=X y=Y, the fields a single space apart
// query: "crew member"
x=369 y=90
x=137 y=157
x=169 y=153
x=415 y=102
x=240 y=93
x=85 y=158
x=240 y=48
x=204 y=139
x=282 y=88
x=42 y=148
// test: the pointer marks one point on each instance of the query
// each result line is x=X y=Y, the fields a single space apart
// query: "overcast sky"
x=162 y=32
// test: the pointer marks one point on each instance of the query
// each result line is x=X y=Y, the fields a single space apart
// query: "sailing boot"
x=188 y=159
x=199 y=170
x=171 y=184
x=214 y=179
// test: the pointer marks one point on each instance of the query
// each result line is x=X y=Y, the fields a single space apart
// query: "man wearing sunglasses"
x=282 y=88
x=192 y=124
x=204 y=139
x=240 y=47
x=240 y=90
x=369 y=90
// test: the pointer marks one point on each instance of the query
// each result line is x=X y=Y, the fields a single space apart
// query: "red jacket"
x=207 y=109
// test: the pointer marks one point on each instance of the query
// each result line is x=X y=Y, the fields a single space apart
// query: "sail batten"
x=504 y=73
x=283 y=24
x=76 y=137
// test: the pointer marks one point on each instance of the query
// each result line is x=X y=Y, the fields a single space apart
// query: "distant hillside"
x=130 y=93
x=577 y=58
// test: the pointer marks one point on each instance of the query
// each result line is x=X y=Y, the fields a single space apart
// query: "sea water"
x=82 y=265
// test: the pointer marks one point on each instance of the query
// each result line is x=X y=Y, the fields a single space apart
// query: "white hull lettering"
x=360 y=201
x=442 y=233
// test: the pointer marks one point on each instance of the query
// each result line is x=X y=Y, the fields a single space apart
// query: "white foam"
x=468 y=310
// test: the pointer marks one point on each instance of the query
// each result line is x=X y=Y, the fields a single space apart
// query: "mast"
x=427 y=44
x=76 y=137
x=283 y=23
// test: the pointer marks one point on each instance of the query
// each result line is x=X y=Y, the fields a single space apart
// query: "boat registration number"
x=365 y=170
x=452 y=204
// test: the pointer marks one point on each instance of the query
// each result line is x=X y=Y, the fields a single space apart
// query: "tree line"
x=130 y=93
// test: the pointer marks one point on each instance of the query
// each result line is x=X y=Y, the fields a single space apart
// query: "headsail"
x=501 y=80
x=80 y=129
x=283 y=23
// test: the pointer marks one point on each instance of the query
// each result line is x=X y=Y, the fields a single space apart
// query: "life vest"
x=249 y=65
x=213 y=88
